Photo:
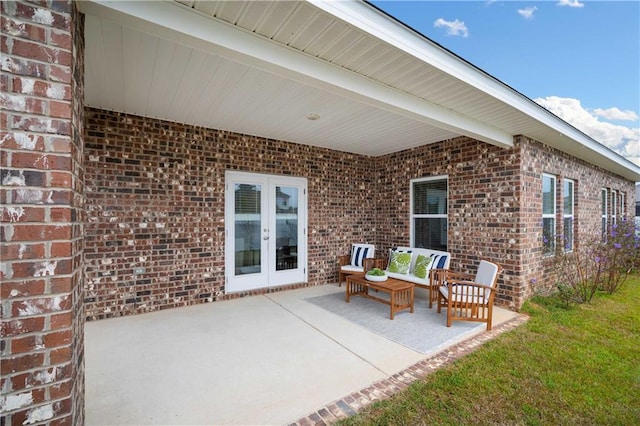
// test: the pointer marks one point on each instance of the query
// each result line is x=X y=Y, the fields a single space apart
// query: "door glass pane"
x=430 y=197
x=431 y=233
x=247 y=228
x=286 y=228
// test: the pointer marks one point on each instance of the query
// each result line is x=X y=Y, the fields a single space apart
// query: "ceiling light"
x=312 y=116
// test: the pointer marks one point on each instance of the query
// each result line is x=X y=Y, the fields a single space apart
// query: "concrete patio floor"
x=259 y=360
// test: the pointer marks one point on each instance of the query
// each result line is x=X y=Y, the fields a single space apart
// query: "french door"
x=266 y=223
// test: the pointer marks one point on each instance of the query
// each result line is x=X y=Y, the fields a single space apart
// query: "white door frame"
x=266 y=273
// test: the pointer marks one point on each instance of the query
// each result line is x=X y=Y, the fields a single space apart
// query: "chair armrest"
x=452 y=283
x=370 y=263
x=459 y=276
x=345 y=259
x=440 y=277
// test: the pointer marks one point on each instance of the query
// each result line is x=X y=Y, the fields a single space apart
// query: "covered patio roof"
x=339 y=75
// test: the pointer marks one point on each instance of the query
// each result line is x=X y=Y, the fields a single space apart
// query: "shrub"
x=598 y=263
x=620 y=255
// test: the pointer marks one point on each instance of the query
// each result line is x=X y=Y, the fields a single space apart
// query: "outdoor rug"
x=424 y=331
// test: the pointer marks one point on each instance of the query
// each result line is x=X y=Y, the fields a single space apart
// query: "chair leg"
x=340 y=279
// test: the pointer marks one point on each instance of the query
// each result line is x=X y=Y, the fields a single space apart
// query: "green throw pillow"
x=400 y=262
x=422 y=266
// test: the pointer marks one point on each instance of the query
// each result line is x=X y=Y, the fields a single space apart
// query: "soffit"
x=392 y=98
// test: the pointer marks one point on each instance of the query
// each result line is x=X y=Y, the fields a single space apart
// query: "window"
x=623 y=206
x=604 y=213
x=614 y=207
x=567 y=216
x=429 y=213
x=548 y=213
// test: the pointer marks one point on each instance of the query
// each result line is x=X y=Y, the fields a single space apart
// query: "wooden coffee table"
x=401 y=292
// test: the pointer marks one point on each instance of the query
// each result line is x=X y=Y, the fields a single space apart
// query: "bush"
x=620 y=255
x=598 y=263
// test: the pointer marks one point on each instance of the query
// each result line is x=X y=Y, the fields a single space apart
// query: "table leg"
x=412 y=298
x=393 y=304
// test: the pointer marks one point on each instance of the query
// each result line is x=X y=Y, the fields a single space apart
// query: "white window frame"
x=549 y=248
x=413 y=216
x=570 y=214
x=604 y=211
x=614 y=207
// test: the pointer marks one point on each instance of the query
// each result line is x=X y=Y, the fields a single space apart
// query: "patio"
x=271 y=359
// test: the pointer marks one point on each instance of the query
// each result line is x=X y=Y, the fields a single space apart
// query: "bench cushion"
x=439 y=260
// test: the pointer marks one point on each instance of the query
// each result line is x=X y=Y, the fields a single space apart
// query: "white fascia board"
x=372 y=21
x=178 y=23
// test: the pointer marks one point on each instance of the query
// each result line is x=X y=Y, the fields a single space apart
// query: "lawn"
x=576 y=365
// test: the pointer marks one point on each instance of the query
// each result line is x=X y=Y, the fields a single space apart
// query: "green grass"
x=569 y=366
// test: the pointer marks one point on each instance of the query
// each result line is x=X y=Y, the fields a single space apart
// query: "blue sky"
x=579 y=59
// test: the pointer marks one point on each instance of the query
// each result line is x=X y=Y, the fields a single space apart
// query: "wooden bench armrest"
x=370 y=263
x=345 y=259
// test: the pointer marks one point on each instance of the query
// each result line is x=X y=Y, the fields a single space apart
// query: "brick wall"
x=42 y=320
x=155 y=200
x=538 y=273
x=483 y=218
x=495 y=205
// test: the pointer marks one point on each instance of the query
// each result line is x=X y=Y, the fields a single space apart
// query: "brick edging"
x=382 y=389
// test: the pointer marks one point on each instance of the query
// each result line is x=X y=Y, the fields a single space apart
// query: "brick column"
x=42 y=213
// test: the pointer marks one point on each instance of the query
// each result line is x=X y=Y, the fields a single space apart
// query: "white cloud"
x=614 y=114
x=527 y=12
x=570 y=3
x=454 y=28
x=621 y=139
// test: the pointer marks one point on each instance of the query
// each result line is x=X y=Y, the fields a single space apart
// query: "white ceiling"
x=260 y=67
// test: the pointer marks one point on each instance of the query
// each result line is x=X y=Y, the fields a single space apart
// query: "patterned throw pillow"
x=422 y=266
x=400 y=262
x=358 y=254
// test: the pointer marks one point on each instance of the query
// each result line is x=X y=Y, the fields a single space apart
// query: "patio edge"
x=382 y=389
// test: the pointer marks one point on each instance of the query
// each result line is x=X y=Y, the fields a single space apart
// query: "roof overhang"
x=261 y=68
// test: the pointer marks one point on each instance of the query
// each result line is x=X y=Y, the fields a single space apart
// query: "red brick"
x=60 y=39
x=19 y=363
x=23 y=67
x=28 y=31
x=38 y=52
x=41 y=232
x=23 y=288
x=62 y=320
x=62 y=285
x=44 y=89
x=19 y=103
x=58 y=338
x=60 y=355
x=60 y=179
x=60 y=109
x=61 y=249
x=40 y=125
x=61 y=390
x=29 y=343
x=59 y=144
x=60 y=73
x=15 y=214
x=20 y=140
x=41 y=306
x=23 y=325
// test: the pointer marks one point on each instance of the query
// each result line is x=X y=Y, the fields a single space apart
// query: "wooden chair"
x=468 y=297
x=353 y=263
